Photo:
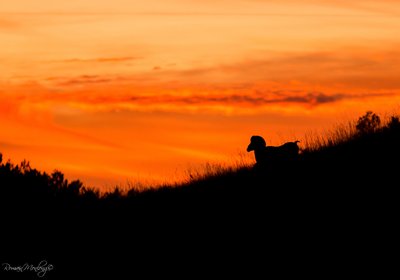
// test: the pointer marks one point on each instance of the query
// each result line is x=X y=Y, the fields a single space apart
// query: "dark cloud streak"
x=311 y=98
x=86 y=79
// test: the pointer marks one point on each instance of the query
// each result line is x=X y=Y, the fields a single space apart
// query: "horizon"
x=110 y=92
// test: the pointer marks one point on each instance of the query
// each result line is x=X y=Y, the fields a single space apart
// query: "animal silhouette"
x=264 y=153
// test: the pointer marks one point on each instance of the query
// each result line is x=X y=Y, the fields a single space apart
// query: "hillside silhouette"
x=340 y=190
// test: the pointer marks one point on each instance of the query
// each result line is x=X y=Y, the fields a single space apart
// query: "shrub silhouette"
x=57 y=180
x=394 y=123
x=368 y=123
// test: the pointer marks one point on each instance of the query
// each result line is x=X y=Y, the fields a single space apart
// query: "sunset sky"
x=111 y=91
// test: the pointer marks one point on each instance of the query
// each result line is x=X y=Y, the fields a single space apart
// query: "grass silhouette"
x=340 y=189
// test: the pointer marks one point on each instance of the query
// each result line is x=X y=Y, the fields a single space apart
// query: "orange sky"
x=110 y=91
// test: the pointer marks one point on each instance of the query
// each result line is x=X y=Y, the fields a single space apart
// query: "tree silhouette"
x=57 y=180
x=393 y=124
x=368 y=123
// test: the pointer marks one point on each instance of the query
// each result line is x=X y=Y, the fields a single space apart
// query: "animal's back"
x=291 y=146
x=290 y=149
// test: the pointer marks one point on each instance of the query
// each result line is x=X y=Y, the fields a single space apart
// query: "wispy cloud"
x=93 y=80
x=315 y=98
x=253 y=100
x=177 y=101
x=100 y=60
x=85 y=80
x=6 y=24
x=10 y=145
x=193 y=7
x=228 y=97
x=285 y=81
x=352 y=68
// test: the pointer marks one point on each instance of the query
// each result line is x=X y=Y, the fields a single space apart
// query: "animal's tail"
x=297 y=141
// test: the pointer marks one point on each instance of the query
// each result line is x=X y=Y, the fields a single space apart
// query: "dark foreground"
x=332 y=209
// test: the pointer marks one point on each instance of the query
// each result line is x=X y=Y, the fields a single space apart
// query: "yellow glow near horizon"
x=112 y=91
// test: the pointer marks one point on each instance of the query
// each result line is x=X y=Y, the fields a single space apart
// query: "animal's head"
x=256 y=142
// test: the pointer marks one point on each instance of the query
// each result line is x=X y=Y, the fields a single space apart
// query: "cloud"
x=312 y=98
x=370 y=69
x=193 y=7
x=318 y=98
x=101 y=60
x=10 y=145
x=91 y=80
x=86 y=79
x=6 y=24
x=107 y=92
x=361 y=7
